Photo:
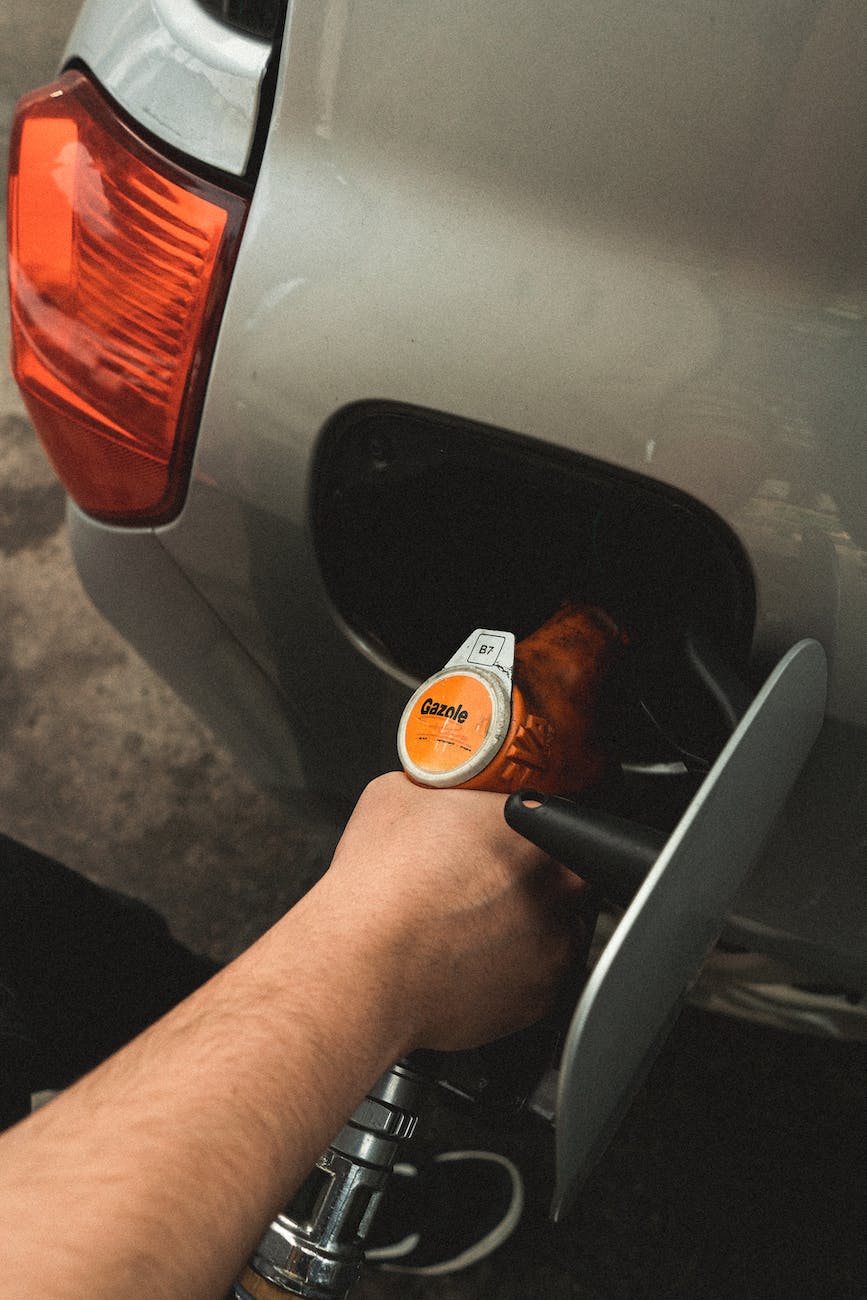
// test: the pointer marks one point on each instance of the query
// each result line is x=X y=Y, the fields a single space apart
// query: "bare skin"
x=436 y=926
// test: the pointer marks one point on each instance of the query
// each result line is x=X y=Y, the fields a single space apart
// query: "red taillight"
x=119 y=264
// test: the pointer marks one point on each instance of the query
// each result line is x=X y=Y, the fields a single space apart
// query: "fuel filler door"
x=634 y=992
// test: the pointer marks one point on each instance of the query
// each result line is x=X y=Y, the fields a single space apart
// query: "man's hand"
x=436 y=926
x=482 y=926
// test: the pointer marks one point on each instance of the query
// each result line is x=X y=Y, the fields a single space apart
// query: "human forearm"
x=435 y=926
x=157 y=1174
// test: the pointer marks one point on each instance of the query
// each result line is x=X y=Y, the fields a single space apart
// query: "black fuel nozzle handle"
x=611 y=854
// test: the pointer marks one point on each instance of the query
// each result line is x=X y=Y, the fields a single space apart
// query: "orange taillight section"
x=119 y=263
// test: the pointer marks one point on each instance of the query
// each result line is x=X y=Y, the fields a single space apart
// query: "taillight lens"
x=119 y=264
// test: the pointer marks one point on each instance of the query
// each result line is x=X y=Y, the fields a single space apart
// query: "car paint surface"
x=626 y=230
x=568 y=233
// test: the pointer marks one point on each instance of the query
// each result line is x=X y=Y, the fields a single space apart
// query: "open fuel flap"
x=427 y=526
x=636 y=989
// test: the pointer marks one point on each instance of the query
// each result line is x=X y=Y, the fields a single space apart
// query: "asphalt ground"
x=740 y=1169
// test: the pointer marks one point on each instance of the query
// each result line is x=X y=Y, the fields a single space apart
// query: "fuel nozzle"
x=612 y=854
x=500 y=716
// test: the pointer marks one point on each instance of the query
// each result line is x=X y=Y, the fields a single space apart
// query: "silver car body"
x=622 y=230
